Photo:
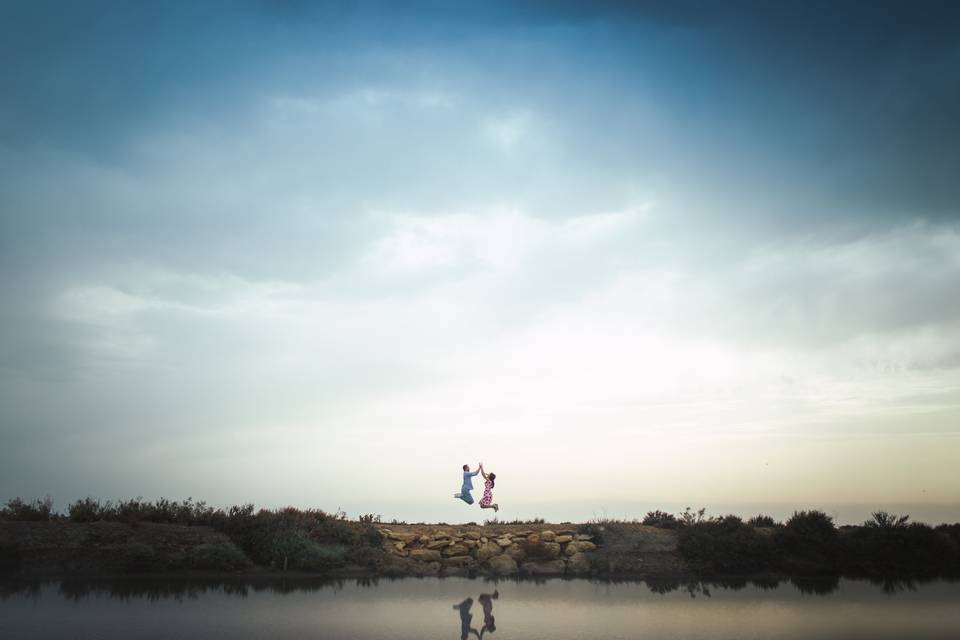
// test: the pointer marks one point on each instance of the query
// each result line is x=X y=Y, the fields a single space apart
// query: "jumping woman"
x=486 y=502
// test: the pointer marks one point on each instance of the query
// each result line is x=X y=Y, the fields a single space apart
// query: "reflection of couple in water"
x=486 y=601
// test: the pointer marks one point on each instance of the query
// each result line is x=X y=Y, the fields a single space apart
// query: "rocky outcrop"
x=578 y=546
x=478 y=551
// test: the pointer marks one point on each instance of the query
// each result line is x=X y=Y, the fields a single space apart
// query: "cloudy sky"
x=629 y=254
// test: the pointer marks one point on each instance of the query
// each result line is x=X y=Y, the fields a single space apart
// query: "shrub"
x=217 y=557
x=292 y=549
x=691 y=518
x=808 y=543
x=89 y=510
x=495 y=520
x=813 y=525
x=762 y=521
x=593 y=528
x=725 y=545
x=819 y=586
x=321 y=557
x=891 y=548
x=36 y=511
x=886 y=521
x=137 y=556
x=661 y=519
x=308 y=539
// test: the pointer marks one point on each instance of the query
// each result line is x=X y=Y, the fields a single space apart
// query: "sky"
x=631 y=255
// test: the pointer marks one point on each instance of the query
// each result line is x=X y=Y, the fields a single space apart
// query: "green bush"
x=138 y=556
x=815 y=523
x=594 y=528
x=691 y=518
x=138 y=510
x=321 y=557
x=725 y=545
x=217 y=557
x=891 y=548
x=661 y=519
x=886 y=521
x=89 y=510
x=808 y=543
x=36 y=511
x=762 y=521
x=307 y=539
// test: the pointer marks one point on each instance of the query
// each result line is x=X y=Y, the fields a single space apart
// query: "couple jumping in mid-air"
x=486 y=502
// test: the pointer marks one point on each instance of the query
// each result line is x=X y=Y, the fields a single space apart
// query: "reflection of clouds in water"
x=414 y=609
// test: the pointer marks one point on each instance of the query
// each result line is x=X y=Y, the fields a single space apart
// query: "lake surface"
x=461 y=608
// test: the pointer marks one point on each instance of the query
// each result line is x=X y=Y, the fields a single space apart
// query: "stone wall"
x=449 y=551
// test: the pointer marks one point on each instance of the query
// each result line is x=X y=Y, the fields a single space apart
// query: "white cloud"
x=507 y=132
x=503 y=239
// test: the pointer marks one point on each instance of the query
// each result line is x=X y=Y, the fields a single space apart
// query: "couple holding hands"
x=486 y=502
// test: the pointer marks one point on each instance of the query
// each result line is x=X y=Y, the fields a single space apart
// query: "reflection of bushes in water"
x=696 y=586
x=892 y=586
x=10 y=587
x=819 y=585
x=765 y=584
x=663 y=584
x=155 y=589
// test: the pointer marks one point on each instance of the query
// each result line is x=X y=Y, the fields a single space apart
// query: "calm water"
x=460 y=608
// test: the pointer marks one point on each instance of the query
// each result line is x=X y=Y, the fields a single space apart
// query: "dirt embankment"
x=110 y=547
x=107 y=548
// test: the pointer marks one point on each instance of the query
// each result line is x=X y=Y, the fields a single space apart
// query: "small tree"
x=691 y=518
x=886 y=521
x=661 y=519
x=36 y=511
x=762 y=521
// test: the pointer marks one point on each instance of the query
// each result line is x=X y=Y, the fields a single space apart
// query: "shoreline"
x=615 y=551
